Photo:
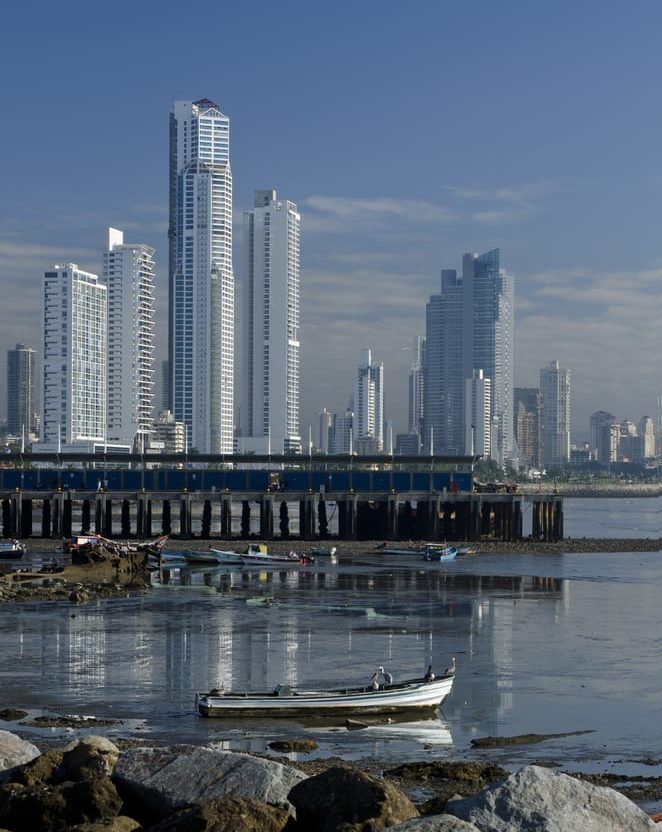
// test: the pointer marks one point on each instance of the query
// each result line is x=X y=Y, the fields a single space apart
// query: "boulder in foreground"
x=170 y=778
x=536 y=799
x=14 y=751
x=349 y=799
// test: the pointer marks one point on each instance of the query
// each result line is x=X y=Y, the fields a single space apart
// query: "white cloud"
x=522 y=194
x=345 y=214
x=506 y=204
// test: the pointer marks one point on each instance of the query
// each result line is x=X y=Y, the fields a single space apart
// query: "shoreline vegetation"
x=592 y=489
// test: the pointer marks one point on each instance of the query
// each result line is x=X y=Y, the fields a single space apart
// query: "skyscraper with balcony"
x=21 y=416
x=128 y=274
x=201 y=278
x=268 y=381
x=555 y=423
x=75 y=354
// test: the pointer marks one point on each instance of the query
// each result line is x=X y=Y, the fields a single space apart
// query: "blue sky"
x=406 y=133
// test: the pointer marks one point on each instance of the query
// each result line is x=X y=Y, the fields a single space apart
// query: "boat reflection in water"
x=385 y=737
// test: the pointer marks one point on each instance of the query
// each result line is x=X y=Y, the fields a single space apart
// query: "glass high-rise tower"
x=470 y=327
x=201 y=278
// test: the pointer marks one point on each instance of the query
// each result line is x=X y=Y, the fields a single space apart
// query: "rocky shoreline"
x=93 y=785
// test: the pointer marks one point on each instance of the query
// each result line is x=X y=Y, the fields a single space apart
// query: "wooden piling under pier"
x=360 y=516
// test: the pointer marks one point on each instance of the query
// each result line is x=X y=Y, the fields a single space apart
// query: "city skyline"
x=569 y=193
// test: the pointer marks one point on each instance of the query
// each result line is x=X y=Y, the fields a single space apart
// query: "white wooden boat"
x=215 y=557
x=385 y=549
x=429 y=551
x=284 y=701
x=260 y=556
x=12 y=549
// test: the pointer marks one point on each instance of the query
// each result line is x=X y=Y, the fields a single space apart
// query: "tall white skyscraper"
x=128 y=274
x=555 y=392
x=270 y=321
x=369 y=405
x=646 y=433
x=75 y=357
x=201 y=280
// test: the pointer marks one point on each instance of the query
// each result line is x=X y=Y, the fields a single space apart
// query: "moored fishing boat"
x=323 y=551
x=385 y=549
x=12 y=550
x=424 y=694
x=439 y=552
x=429 y=551
x=212 y=556
x=260 y=555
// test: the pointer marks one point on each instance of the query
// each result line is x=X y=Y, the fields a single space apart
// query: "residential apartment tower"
x=201 y=279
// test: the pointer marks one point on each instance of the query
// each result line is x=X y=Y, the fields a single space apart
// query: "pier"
x=363 y=498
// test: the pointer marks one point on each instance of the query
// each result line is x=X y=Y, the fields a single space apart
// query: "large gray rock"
x=89 y=757
x=166 y=779
x=536 y=799
x=435 y=823
x=227 y=814
x=14 y=751
x=58 y=808
x=346 y=798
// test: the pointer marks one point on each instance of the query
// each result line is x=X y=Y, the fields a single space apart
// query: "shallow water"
x=544 y=644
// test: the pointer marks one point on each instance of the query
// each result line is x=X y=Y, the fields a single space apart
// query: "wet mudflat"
x=564 y=645
x=558 y=655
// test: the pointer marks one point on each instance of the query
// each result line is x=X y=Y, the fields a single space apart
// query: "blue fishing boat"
x=439 y=552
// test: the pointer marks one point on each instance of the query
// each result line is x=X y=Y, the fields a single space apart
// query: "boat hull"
x=413 y=696
x=214 y=557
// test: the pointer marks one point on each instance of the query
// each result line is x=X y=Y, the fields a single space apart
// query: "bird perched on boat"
x=388 y=679
x=450 y=670
x=374 y=682
x=429 y=675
